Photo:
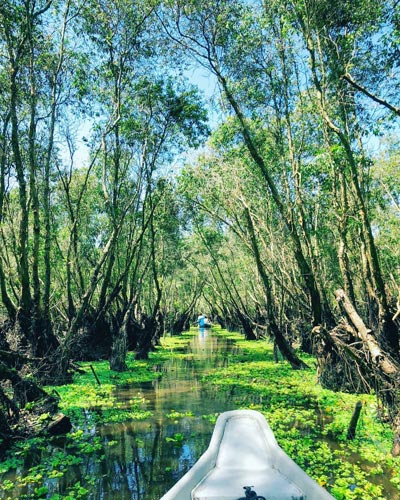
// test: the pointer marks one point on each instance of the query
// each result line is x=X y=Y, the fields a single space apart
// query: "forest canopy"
x=131 y=199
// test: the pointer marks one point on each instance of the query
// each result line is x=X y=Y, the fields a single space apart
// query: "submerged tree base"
x=351 y=359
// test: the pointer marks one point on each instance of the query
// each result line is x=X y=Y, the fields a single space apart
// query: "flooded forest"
x=165 y=159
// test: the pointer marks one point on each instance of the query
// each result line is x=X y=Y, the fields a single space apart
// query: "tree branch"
x=363 y=90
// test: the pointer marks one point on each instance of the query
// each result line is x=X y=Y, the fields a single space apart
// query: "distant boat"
x=206 y=325
x=243 y=451
x=203 y=321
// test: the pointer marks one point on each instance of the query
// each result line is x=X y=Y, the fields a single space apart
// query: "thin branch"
x=363 y=90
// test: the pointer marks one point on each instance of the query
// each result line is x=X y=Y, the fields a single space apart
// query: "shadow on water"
x=142 y=460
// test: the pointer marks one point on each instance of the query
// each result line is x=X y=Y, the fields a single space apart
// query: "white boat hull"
x=243 y=451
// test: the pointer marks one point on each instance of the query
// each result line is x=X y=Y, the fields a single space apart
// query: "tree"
x=212 y=34
x=329 y=49
x=33 y=94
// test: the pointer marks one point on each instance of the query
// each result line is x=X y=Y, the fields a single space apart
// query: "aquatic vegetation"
x=310 y=423
x=176 y=414
x=89 y=405
x=211 y=418
x=176 y=439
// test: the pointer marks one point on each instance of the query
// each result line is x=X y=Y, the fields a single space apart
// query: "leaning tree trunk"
x=247 y=327
x=379 y=358
x=304 y=267
x=383 y=369
x=284 y=347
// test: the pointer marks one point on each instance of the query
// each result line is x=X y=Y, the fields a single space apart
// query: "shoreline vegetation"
x=309 y=422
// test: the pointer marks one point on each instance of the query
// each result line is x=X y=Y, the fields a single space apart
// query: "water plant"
x=176 y=439
x=89 y=405
x=176 y=414
x=310 y=423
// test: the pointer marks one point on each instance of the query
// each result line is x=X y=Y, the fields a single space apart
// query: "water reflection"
x=142 y=460
x=151 y=456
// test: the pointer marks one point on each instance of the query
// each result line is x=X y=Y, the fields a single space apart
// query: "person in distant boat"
x=201 y=320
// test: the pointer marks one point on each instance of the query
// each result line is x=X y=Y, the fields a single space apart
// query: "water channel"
x=144 y=464
x=142 y=460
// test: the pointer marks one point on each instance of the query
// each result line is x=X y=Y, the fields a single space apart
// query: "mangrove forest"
x=163 y=159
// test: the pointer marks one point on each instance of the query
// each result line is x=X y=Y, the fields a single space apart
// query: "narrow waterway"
x=142 y=460
x=150 y=456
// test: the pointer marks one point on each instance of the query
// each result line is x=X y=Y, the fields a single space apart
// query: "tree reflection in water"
x=142 y=460
x=143 y=464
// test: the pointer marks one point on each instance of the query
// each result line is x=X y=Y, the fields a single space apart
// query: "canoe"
x=243 y=452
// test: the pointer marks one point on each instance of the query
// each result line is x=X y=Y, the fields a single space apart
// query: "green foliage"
x=211 y=418
x=176 y=414
x=310 y=423
x=107 y=218
x=85 y=393
x=88 y=405
x=177 y=439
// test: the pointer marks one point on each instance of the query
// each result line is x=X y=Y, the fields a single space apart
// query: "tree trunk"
x=319 y=65
x=299 y=212
x=383 y=369
x=6 y=300
x=275 y=331
x=304 y=267
x=145 y=338
x=5 y=434
x=351 y=431
x=378 y=356
x=24 y=311
x=119 y=346
x=396 y=441
x=343 y=214
x=36 y=323
x=247 y=326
